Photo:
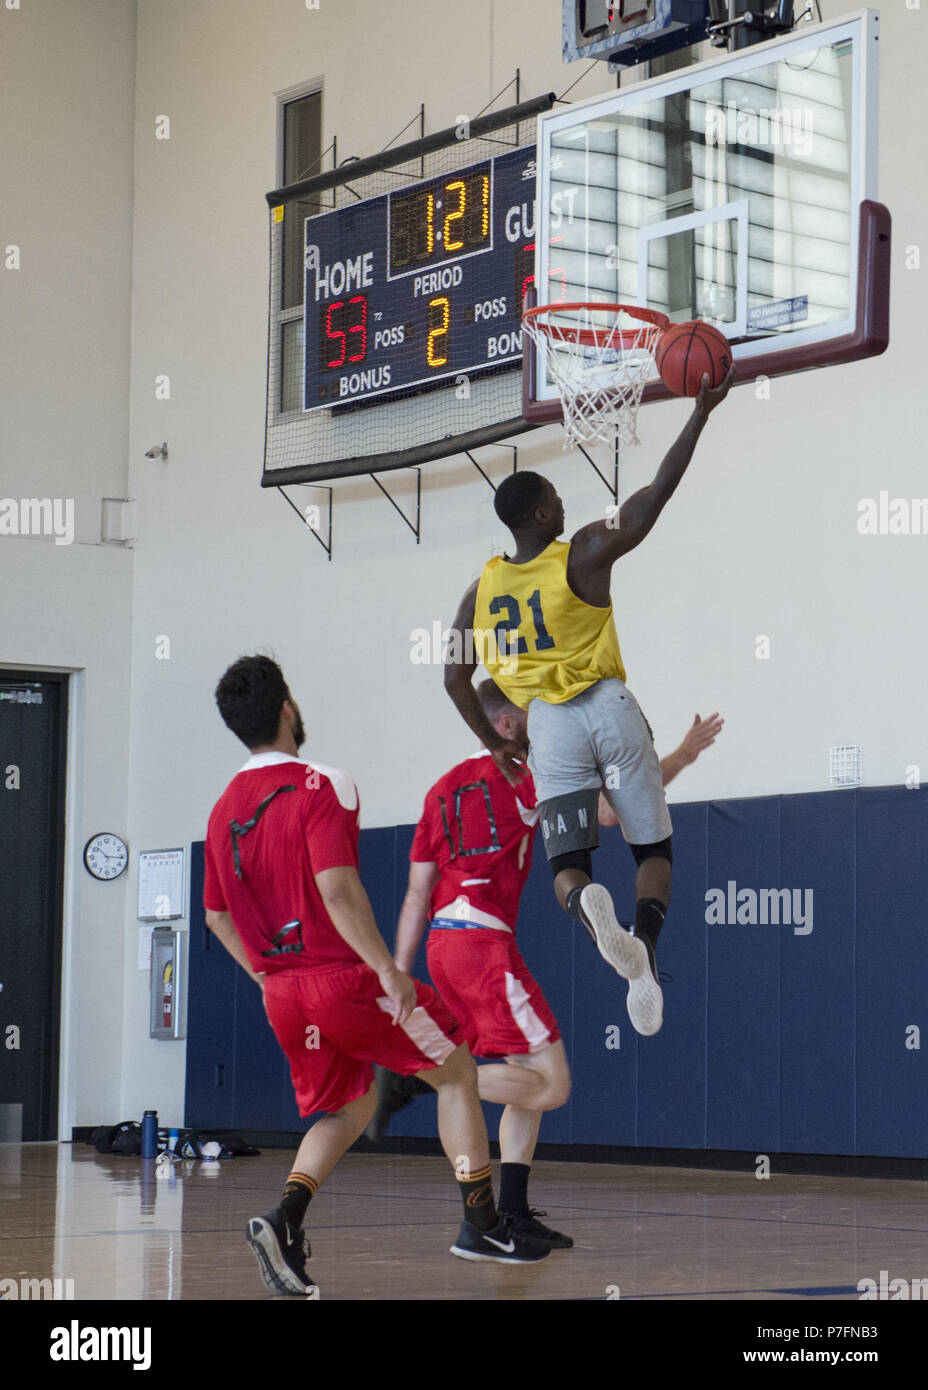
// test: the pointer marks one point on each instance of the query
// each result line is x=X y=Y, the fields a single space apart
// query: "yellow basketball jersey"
x=535 y=637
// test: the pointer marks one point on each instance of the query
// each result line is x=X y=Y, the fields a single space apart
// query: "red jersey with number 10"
x=479 y=830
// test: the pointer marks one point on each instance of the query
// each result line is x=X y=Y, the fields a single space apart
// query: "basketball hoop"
x=599 y=357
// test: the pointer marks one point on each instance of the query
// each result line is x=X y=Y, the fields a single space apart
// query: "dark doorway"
x=33 y=758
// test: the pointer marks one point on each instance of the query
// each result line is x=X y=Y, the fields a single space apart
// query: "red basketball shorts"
x=480 y=974
x=333 y=1024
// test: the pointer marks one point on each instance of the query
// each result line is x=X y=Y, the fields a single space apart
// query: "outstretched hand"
x=701 y=734
x=708 y=397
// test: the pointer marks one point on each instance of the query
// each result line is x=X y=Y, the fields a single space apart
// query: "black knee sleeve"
x=573 y=859
x=660 y=850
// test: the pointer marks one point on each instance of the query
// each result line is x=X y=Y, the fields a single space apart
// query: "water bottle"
x=150 y=1134
x=173 y=1140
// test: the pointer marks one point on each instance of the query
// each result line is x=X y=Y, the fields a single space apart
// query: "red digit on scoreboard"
x=361 y=327
x=336 y=334
x=528 y=279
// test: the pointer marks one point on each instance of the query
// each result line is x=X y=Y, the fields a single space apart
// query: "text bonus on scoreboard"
x=419 y=285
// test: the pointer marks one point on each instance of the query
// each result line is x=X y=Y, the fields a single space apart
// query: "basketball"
x=687 y=351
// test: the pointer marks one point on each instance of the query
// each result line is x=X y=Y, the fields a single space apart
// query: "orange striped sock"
x=477 y=1195
x=299 y=1190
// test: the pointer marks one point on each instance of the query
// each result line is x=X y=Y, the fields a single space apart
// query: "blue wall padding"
x=672 y=1065
x=212 y=981
x=817 y=978
x=890 y=975
x=742 y=1005
x=775 y=1039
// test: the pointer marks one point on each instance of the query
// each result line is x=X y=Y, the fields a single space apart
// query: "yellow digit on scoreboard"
x=461 y=189
x=430 y=224
x=440 y=330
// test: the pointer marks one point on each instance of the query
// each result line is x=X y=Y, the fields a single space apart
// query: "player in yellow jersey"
x=543 y=626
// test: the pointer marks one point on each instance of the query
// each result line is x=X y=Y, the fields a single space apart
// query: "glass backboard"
x=731 y=191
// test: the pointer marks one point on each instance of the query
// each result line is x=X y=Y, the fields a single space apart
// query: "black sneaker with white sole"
x=645 y=1001
x=503 y=1245
x=529 y=1225
x=280 y=1253
x=624 y=952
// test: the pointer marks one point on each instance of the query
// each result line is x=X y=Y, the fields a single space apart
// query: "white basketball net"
x=599 y=359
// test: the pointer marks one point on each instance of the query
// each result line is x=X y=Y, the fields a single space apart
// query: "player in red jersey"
x=470 y=859
x=283 y=895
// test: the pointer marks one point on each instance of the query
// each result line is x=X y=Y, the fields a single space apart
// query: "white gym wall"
x=67 y=79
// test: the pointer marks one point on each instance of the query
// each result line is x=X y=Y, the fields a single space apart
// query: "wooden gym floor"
x=381 y=1226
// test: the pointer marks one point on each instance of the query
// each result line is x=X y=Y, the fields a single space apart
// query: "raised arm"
x=596 y=547
x=701 y=734
x=459 y=683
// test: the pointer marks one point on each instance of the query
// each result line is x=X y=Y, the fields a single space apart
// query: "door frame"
x=50 y=1116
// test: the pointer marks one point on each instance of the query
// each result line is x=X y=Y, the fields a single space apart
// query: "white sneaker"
x=645 y=1001
x=624 y=952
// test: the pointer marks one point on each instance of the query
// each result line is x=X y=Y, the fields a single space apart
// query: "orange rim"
x=597 y=337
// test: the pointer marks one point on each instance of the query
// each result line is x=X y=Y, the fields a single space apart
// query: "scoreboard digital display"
x=419 y=285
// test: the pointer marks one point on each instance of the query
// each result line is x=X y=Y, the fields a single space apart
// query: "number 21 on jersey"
x=506 y=603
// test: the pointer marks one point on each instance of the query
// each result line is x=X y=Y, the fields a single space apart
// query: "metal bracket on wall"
x=613 y=487
x=416 y=530
x=560 y=100
x=420 y=117
x=517 y=83
x=320 y=160
x=327 y=543
x=514 y=449
x=353 y=158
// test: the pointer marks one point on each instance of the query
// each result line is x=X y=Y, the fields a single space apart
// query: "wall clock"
x=106 y=855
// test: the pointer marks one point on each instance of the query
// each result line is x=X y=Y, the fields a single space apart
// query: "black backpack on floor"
x=125 y=1138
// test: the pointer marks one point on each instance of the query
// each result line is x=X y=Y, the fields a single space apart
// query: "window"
x=301 y=158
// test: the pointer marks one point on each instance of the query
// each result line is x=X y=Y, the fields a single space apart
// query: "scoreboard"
x=419 y=285
x=632 y=31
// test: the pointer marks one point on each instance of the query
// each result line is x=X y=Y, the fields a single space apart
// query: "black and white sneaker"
x=394 y=1092
x=623 y=951
x=503 y=1244
x=280 y=1253
x=645 y=1001
x=529 y=1225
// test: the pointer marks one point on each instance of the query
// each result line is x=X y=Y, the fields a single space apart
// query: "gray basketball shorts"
x=598 y=740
